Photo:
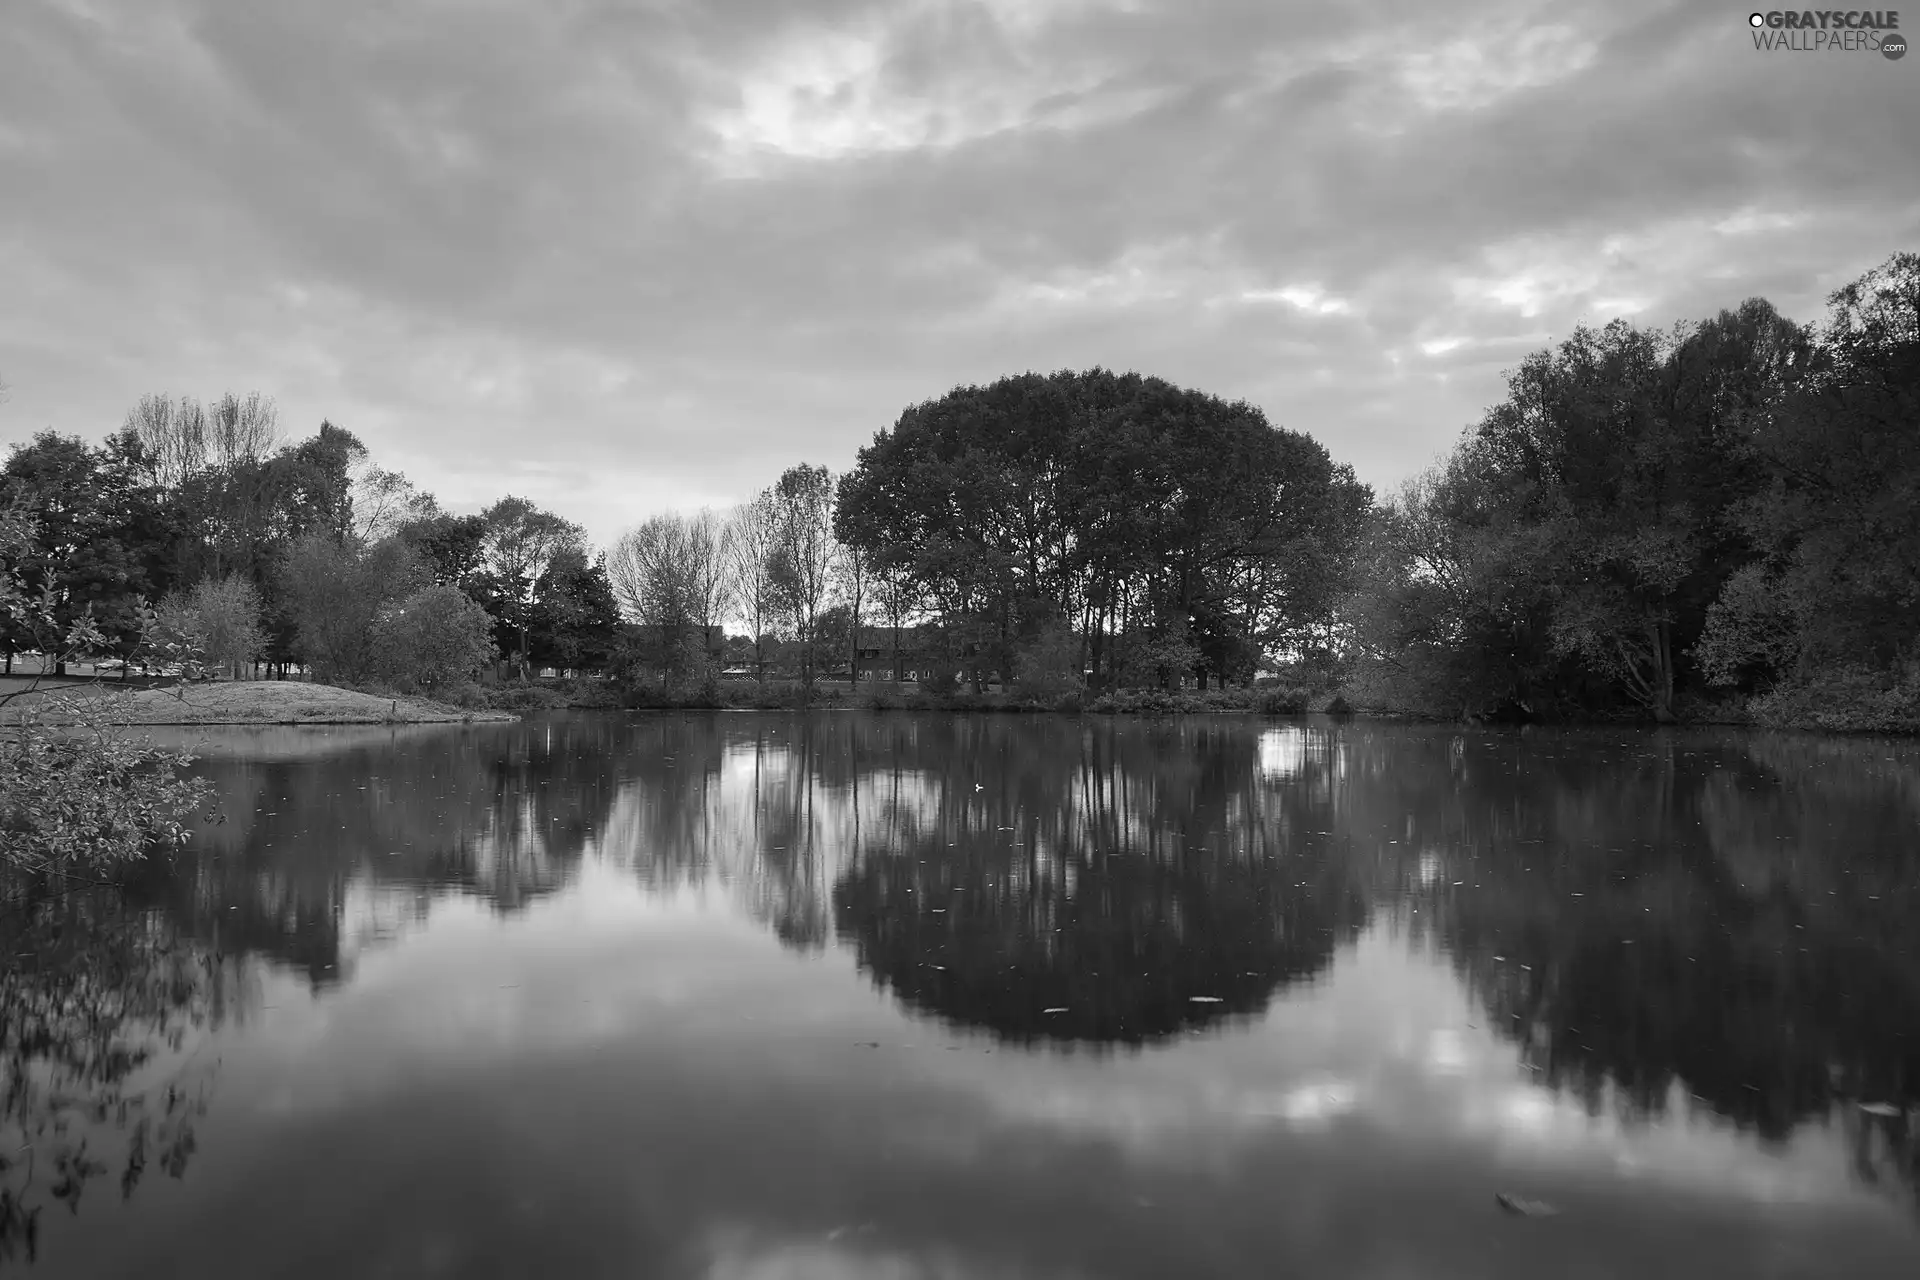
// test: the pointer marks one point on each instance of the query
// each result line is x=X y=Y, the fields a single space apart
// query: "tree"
x=852 y=578
x=179 y=439
x=220 y=620
x=74 y=795
x=434 y=639
x=1117 y=504
x=576 y=620
x=805 y=555
x=1836 y=526
x=452 y=547
x=897 y=596
x=749 y=547
x=520 y=541
x=99 y=543
x=336 y=590
x=385 y=502
x=669 y=575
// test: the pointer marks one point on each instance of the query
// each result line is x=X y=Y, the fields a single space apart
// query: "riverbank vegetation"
x=1718 y=521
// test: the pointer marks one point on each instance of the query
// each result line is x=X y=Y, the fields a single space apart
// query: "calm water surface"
x=765 y=996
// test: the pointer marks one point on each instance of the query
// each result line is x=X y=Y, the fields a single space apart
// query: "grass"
x=254 y=702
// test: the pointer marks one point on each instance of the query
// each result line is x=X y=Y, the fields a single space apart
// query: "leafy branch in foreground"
x=77 y=794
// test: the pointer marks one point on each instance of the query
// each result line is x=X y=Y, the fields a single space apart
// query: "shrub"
x=1282 y=700
x=435 y=639
x=1848 y=701
x=1047 y=667
x=73 y=793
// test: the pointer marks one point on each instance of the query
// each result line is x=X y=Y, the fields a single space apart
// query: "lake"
x=760 y=997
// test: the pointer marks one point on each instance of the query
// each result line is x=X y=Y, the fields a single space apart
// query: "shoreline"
x=244 y=702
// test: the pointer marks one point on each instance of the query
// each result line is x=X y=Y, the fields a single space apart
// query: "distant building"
x=875 y=654
x=650 y=638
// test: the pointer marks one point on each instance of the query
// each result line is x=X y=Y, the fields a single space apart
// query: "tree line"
x=1646 y=522
x=1650 y=521
x=200 y=522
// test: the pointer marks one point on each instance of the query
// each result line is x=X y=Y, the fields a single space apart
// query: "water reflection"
x=1064 y=880
x=103 y=1008
x=1730 y=919
x=337 y=840
x=1401 y=947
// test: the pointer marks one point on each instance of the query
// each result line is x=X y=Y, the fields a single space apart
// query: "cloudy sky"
x=624 y=255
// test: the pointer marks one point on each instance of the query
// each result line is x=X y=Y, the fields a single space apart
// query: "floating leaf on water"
x=1522 y=1206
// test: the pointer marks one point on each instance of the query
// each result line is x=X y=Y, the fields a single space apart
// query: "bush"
x=435 y=639
x=75 y=794
x=1150 y=702
x=1282 y=700
x=523 y=698
x=1047 y=668
x=1848 y=701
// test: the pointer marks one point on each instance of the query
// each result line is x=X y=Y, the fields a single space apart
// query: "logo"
x=1829 y=31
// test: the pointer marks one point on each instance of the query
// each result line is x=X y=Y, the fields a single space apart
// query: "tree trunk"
x=1663 y=710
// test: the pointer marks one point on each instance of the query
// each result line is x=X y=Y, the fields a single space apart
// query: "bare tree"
x=805 y=554
x=650 y=571
x=239 y=430
x=710 y=591
x=180 y=438
x=749 y=557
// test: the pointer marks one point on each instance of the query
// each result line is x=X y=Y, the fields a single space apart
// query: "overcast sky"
x=624 y=256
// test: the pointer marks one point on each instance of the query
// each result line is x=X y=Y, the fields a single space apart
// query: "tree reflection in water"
x=1041 y=878
x=1659 y=922
x=103 y=1004
x=1669 y=921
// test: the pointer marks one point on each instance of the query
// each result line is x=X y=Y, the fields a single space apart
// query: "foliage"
x=97 y=546
x=435 y=639
x=1852 y=699
x=1647 y=516
x=1117 y=504
x=75 y=794
x=220 y=620
x=336 y=589
x=97 y=1004
x=519 y=544
x=576 y=620
x=1047 y=667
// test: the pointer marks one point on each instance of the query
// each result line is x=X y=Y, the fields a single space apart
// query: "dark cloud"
x=622 y=255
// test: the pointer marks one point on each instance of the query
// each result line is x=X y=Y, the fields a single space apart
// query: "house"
x=650 y=639
x=874 y=653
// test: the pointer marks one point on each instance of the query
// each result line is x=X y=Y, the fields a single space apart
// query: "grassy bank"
x=787 y=695
x=270 y=702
